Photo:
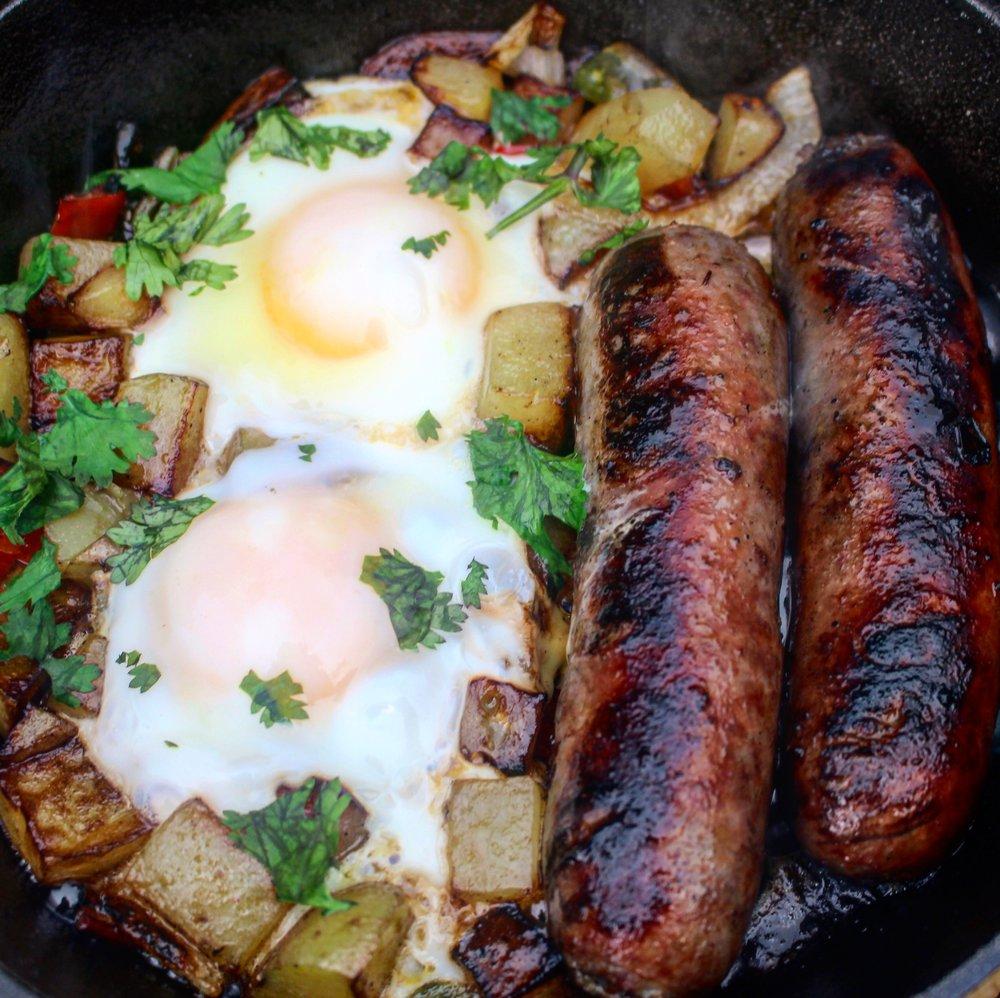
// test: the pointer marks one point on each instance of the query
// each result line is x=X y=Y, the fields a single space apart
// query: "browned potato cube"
x=39 y=730
x=749 y=129
x=13 y=373
x=346 y=953
x=75 y=533
x=178 y=407
x=494 y=834
x=507 y=953
x=541 y=26
x=464 y=86
x=94 y=299
x=95 y=364
x=669 y=129
x=21 y=683
x=503 y=726
x=528 y=373
x=444 y=126
x=203 y=885
x=64 y=817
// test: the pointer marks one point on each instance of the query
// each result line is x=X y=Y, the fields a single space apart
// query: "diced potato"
x=494 y=835
x=13 y=373
x=347 y=953
x=528 y=374
x=38 y=731
x=502 y=725
x=507 y=953
x=95 y=364
x=444 y=126
x=178 y=407
x=749 y=129
x=244 y=439
x=94 y=298
x=541 y=26
x=64 y=817
x=670 y=130
x=101 y=510
x=82 y=604
x=203 y=885
x=21 y=683
x=464 y=86
x=616 y=70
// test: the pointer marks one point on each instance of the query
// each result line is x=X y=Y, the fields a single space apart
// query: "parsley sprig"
x=153 y=526
x=31 y=630
x=622 y=236
x=296 y=837
x=48 y=259
x=427 y=246
x=514 y=118
x=474 y=584
x=88 y=444
x=417 y=610
x=459 y=171
x=522 y=485
x=144 y=675
x=280 y=133
x=274 y=699
x=428 y=426
x=203 y=172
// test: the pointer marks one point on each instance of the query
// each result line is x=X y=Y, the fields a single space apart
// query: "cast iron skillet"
x=928 y=70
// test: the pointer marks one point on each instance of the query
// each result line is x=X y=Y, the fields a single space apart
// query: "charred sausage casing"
x=895 y=638
x=666 y=719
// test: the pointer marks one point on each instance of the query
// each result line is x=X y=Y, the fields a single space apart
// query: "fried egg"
x=330 y=321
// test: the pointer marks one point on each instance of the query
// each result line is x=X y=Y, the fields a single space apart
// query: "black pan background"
x=926 y=70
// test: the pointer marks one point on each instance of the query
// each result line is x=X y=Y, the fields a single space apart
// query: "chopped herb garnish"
x=416 y=609
x=274 y=699
x=459 y=171
x=306 y=452
x=69 y=676
x=144 y=675
x=522 y=485
x=474 y=584
x=153 y=526
x=138 y=339
x=34 y=582
x=428 y=426
x=48 y=259
x=428 y=246
x=281 y=133
x=621 y=237
x=514 y=118
x=296 y=837
x=203 y=172
x=170 y=744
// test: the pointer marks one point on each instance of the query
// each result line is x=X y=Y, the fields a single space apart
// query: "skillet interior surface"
x=926 y=70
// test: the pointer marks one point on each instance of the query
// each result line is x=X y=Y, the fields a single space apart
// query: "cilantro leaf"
x=306 y=452
x=144 y=675
x=36 y=580
x=459 y=171
x=296 y=837
x=274 y=699
x=70 y=676
x=153 y=526
x=91 y=441
x=203 y=172
x=621 y=237
x=280 y=133
x=428 y=426
x=474 y=584
x=514 y=118
x=48 y=259
x=33 y=632
x=146 y=267
x=428 y=246
x=613 y=175
x=522 y=485
x=416 y=609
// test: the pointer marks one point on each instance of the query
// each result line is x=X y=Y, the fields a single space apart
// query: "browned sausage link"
x=895 y=639
x=666 y=720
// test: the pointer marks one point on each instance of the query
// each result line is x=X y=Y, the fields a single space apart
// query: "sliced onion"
x=547 y=65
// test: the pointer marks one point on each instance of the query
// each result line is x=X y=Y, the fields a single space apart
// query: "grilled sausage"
x=666 y=720
x=894 y=671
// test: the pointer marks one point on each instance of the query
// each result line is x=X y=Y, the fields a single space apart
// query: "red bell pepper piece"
x=94 y=215
x=17 y=555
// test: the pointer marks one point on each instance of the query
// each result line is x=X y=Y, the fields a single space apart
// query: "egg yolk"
x=337 y=282
x=271 y=583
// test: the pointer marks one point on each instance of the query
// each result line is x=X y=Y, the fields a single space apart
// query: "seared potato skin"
x=65 y=818
x=494 y=834
x=178 y=407
x=13 y=373
x=528 y=372
x=346 y=953
x=749 y=128
x=96 y=364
